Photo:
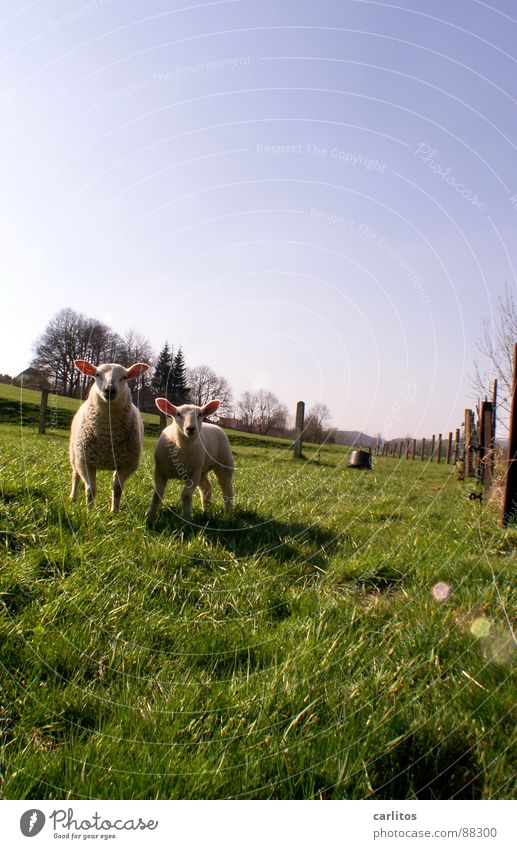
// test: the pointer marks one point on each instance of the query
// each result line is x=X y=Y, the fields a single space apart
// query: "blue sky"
x=316 y=198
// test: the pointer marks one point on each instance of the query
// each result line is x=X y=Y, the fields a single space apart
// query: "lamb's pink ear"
x=165 y=406
x=85 y=367
x=137 y=369
x=210 y=408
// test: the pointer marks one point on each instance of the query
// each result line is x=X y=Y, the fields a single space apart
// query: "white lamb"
x=107 y=430
x=187 y=450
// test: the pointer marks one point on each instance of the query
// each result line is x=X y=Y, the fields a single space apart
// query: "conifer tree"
x=164 y=373
x=179 y=389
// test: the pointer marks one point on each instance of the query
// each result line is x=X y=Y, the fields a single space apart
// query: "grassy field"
x=294 y=651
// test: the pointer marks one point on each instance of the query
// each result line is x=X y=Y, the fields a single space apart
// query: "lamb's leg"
x=119 y=478
x=160 y=482
x=205 y=488
x=89 y=476
x=186 y=497
x=76 y=479
x=224 y=476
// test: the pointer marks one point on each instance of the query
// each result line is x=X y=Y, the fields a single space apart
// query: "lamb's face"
x=189 y=419
x=111 y=382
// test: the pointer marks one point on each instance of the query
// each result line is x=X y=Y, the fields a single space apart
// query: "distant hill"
x=354 y=437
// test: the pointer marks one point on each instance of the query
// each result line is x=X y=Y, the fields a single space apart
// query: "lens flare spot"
x=481 y=627
x=499 y=646
x=441 y=591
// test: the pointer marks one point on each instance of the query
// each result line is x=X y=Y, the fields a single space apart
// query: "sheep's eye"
x=124 y=377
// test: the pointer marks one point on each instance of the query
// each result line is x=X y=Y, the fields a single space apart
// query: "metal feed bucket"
x=360 y=460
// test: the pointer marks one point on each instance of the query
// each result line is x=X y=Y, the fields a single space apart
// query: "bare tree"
x=56 y=348
x=316 y=423
x=262 y=412
x=497 y=345
x=68 y=336
x=248 y=410
x=271 y=414
x=135 y=348
x=205 y=385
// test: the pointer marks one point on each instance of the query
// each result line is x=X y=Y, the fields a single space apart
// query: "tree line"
x=70 y=335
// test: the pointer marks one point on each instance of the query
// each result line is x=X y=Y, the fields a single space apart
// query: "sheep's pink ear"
x=137 y=369
x=165 y=406
x=210 y=408
x=85 y=367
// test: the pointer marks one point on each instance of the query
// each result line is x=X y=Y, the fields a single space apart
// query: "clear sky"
x=319 y=198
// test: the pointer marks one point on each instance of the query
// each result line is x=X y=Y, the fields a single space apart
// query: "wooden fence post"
x=510 y=494
x=400 y=448
x=300 y=416
x=494 y=412
x=469 y=440
x=485 y=446
x=43 y=410
x=422 y=449
x=439 y=453
x=449 y=448
x=457 y=446
x=432 y=447
x=413 y=449
x=406 y=450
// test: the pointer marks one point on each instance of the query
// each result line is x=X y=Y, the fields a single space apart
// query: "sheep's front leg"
x=160 y=482
x=186 y=497
x=205 y=488
x=224 y=476
x=76 y=480
x=89 y=476
x=120 y=476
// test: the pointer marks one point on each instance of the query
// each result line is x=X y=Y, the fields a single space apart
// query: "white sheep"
x=187 y=450
x=107 y=430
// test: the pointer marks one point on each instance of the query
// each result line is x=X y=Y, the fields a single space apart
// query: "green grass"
x=294 y=651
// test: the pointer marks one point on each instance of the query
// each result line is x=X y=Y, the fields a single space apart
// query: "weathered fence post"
x=413 y=449
x=43 y=410
x=406 y=450
x=439 y=452
x=486 y=455
x=449 y=448
x=494 y=412
x=300 y=416
x=469 y=438
x=400 y=448
x=433 y=439
x=510 y=493
x=422 y=449
x=457 y=446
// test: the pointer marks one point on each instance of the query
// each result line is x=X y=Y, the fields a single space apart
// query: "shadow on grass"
x=248 y=532
x=20 y=494
x=422 y=768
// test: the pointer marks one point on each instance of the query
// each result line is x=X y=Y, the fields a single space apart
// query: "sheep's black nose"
x=110 y=392
x=191 y=431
